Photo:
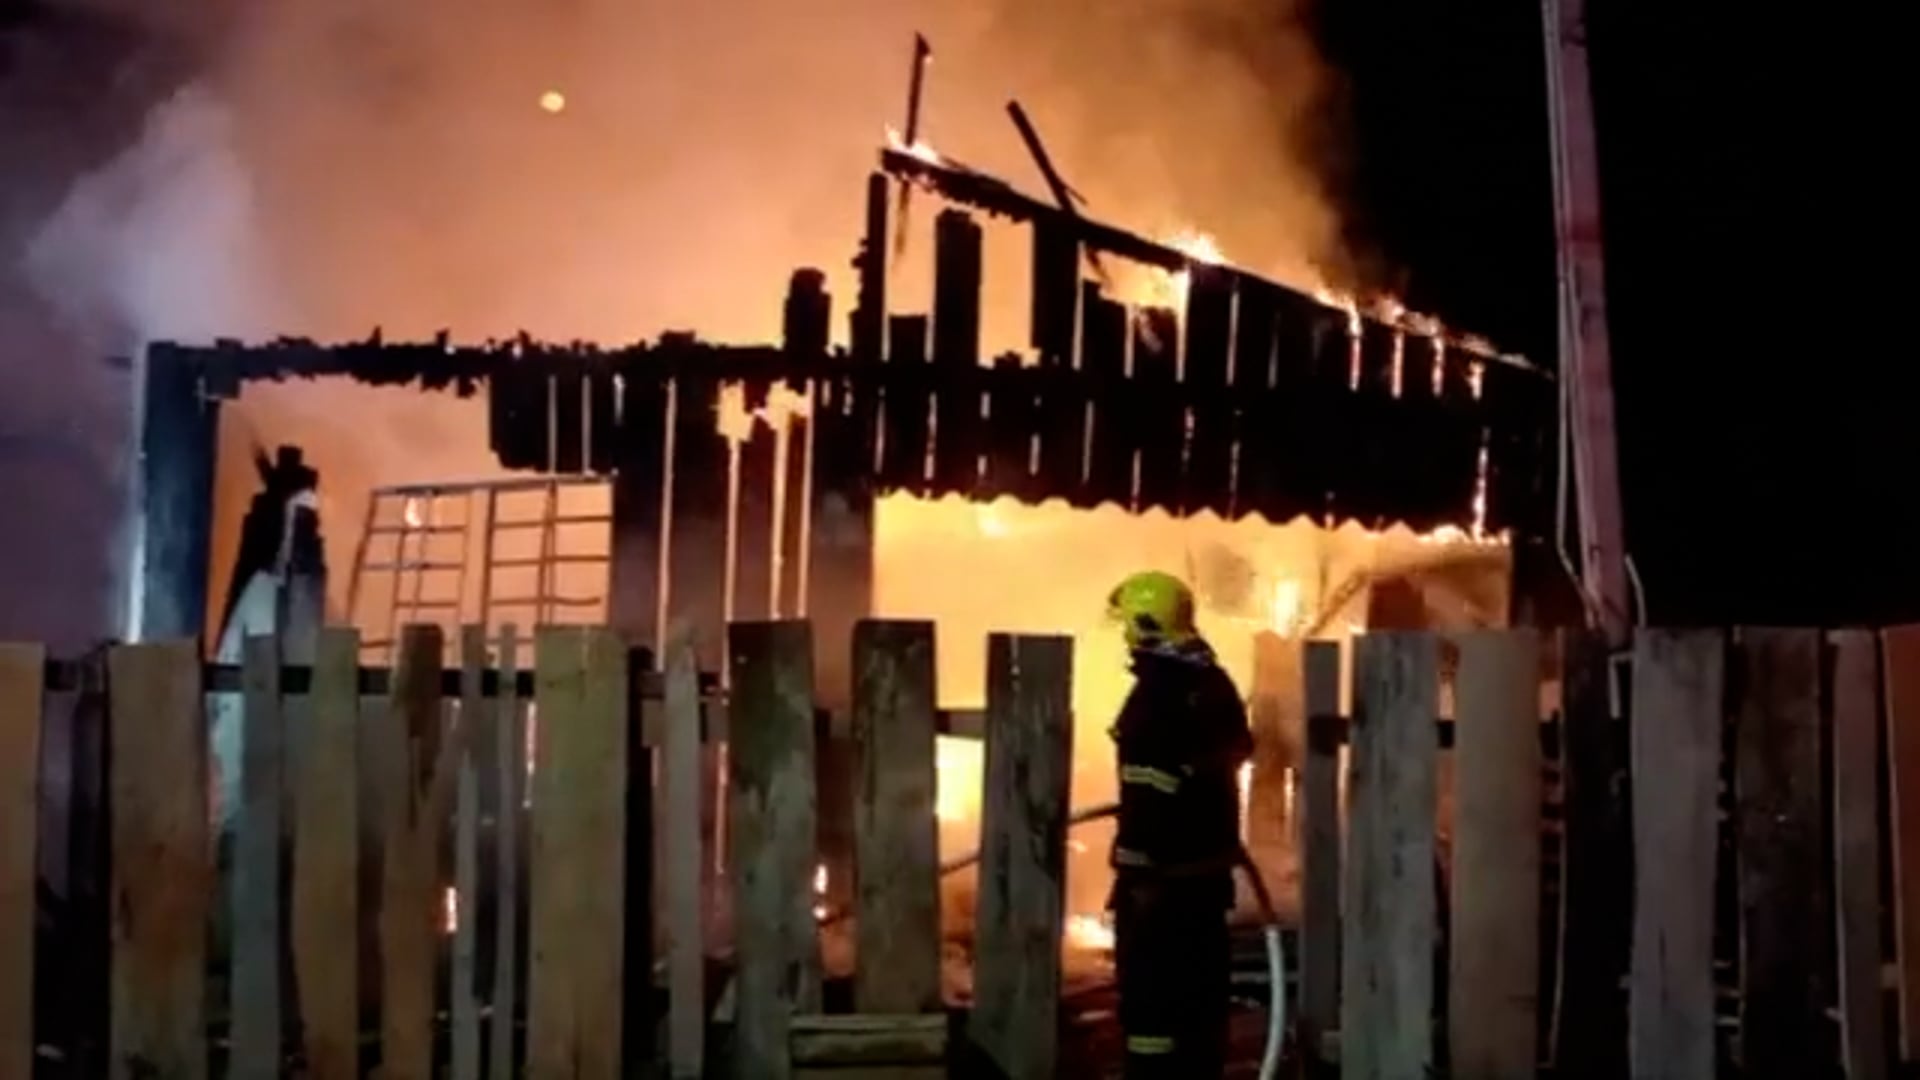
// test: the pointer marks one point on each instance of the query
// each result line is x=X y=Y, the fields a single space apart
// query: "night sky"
x=1770 y=418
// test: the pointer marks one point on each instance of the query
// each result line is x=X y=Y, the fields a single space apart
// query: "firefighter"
x=1181 y=738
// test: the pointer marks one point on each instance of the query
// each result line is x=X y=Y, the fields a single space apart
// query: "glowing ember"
x=553 y=102
x=449 y=910
x=820 y=892
x=1093 y=932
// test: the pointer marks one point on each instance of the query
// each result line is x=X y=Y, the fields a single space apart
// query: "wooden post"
x=1597 y=923
x=179 y=433
x=1159 y=422
x=696 y=582
x=1319 y=846
x=754 y=526
x=772 y=815
x=1900 y=667
x=1389 y=925
x=415 y=784
x=1103 y=357
x=1856 y=828
x=326 y=852
x=22 y=673
x=956 y=347
x=904 y=455
x=255 y=958
x=511 y=761
x=896 y=842
x=1019 y=913
x=639 y=497
x=463 y=989
x=162 y=861
x=806 y=318
x=1678 y=682
x=1496 y=857
x=579 y=836
x=1785 y=883
x=686 y=955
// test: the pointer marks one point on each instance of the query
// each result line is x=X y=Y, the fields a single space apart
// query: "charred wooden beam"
x=639 y=501
x=1056 y=291
x=804 y=329
x=179 y=433
x=1103 y=357
x=870 y=316
x=754 y=533
x=696 y=577
x=956 y=347
x=1208 y=481
x=1159 y=419
x=904 y=457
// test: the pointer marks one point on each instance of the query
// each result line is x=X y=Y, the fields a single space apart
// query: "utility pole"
x=1586 y=369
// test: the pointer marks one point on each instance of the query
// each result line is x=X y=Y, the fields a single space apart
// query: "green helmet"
x=1152 y=608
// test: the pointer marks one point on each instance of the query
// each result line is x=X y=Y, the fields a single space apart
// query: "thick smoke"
x=336 y=165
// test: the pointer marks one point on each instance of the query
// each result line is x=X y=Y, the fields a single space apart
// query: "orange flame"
x=917 y=148
x=1092 y=932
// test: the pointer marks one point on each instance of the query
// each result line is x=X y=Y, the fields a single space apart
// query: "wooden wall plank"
x=1018 y=915
x=579 y=835
x=463 y=989
x=1900 y=667
x=1103 y=356
x=326 y=861
x=1495 y=943
x=1389 y=924
x=904 y=456
x=1856 y=828
x=162 y=876
x=1597 y=868
x=569 y=415
x=696 y=552
x=415 y=785
x=1785 y=886
x=1207 y=480
x=1319 y=846
x=1158 y=419
x=772 y=811
x=1678 y=686
x=179 y=435
x=22 y=670
x=1055 y=291
x=255 y=982
x=639 y=501
x=956 y=345
x=510 y=759
x=686 y=956
x=896 y=840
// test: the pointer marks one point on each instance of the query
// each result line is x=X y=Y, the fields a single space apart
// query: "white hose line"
x=1276 y=1003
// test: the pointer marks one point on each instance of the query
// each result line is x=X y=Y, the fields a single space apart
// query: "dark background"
x=1756 y=221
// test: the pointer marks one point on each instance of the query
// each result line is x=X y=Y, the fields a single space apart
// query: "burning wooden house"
x=1312 y=467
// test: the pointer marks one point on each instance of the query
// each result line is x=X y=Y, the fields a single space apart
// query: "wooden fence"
x=1682 y=872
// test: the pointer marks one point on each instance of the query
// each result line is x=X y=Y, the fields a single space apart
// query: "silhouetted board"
x=569 y=418
x=1785 y=889
x=1019 y=912
x=1055 y=291
x=897 y=845
x=326 y=860
x=682 y=870
x=1366 y=449
x=1389 y=924
x=415 y=782
x=771 y=754
x=179 y=432
x=162 y=883
x=1320 y=848
x=1208 y=482
x=1900 y=665
x=463 y=985
x=1253 y=335
x=256 y=896
x=510 y=759
x=21 y=691
x=1103 y=357
x=1598 y=912
x=869 y=317
x=696 y=581
x=904 y=456
x=639 y=497
x=1420 y=479
x=1856 y=829
x=1012 y=422
x=1678 y=684
x=956 y=346
x=1159 y=420
x=1494 y=943
x=1514 y=407
x=754 y=528
x=1061 y=421
x=579 y=836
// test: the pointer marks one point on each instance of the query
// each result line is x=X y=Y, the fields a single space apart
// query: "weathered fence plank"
x=162 y=872
x=686 y=957
x=579 y=835
x=1900 y=666
x=1590 y=1031
x=415 y=783
x=21 y=694
x=1319 y=829
x=510 y=760
x=1494 y=948
x=463 y=984
x=1390 y=923
x=255 y=959
x=1019 y=913
x=1856 y=830
x=326 y=861
x=1678 y=683
x=772 y=818
x=1785 y=888
x=897 y=844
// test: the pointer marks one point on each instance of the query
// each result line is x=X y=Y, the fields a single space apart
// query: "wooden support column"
x=22 y=692
x=753 y=554
x=696 y=579
x=1319 y=845
x=162 y=862
x=179 y=432
x=1856 y=827
x=1019 y=913
x=1389 y=927
x=956 y=347
x=633 y=593
x=808 y=315
x=1207 y=482
x=1597 y=919
x=577 y=944
x=1103 y=356
x=772 y=819
x=1678 y=685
